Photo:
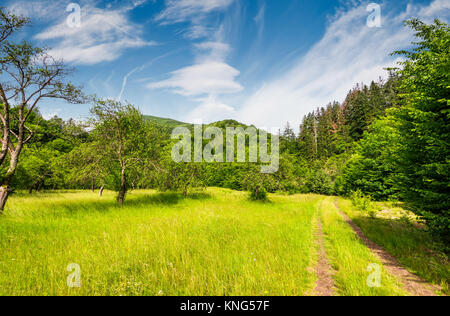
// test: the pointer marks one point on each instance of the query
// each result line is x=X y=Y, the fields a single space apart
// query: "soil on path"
x=324 y=271
x=411 y=282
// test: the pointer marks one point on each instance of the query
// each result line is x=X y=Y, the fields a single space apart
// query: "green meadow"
x=214 y=242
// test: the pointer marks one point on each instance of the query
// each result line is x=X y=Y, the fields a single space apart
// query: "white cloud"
x=39 y=9
x=50 y=115
x=183 y=10
x=437 y=9
x=349 y=53
x=103 y=36
x=197 y=31
x=194 y=12
x=212 y=50
x=210 y=110
x=208 y=78
x=259 y=19
x=210 y=75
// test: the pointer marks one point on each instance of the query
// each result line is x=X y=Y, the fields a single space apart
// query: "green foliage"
x=165 y=123
x=319 y=182
x=364 y=203
x=183 y=176
x=258 y=194
x=423 y=123
x=373 y=168
x=124 y=143
x=257 y=183
x=10 y=23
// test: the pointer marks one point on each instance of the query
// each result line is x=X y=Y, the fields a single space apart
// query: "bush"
x=258 y=194
x=319 y=182
x=364 y=203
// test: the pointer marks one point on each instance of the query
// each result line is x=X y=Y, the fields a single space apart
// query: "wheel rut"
x=411 y=282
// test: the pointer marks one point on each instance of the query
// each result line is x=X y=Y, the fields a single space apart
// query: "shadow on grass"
x=166 y=198
x=412 y=246
x=67 y=207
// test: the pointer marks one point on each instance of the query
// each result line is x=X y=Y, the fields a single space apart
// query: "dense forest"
x=388 y=140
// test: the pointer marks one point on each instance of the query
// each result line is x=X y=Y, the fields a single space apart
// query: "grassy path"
x=412 y=283
x=351 y=260
x=324 y=272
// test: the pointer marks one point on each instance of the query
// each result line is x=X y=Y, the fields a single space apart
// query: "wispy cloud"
x=208 y=78
x=260 y=19
x=210 y=110
x=349 y=52
x=138 y=69
x=104 y=35
x=39 y=10
x=194 y=12
x=184 y=10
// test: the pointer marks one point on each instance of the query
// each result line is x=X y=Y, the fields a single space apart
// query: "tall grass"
x=215 y=243
x=351 y=259
x=405 y=239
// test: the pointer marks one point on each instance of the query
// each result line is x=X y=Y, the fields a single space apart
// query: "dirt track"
x=324 y=271
x=411 y=282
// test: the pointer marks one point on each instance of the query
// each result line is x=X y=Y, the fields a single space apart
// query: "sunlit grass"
x=350 y=258
x=213 y=243
x=408 y=241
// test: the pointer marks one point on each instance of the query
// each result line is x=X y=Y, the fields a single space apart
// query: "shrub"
x=319 y=182
x=258 y=194
x=364 y=203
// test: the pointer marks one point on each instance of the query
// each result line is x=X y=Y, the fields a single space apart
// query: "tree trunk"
x=93 y=185
x=100 y=193
x=123 y=188
x=33 y=186
x=38 y=186
x=5 y=191
x=5 y=123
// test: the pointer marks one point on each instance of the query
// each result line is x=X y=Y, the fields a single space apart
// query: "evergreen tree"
x=424 y=125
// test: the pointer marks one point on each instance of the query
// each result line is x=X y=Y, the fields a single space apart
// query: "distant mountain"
x=165 y=122
x=170 y=124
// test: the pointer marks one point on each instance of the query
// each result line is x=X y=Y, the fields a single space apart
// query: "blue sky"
x=263 y=62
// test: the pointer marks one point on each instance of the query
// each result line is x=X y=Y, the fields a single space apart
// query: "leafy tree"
x=257 y=183
x=424 y=125
x=9 y=23
x=86 y=166
x=124 y=141
x=38 y=166
x=372 y=169
x=181 y=176
x=319 y=182
x=30 y=75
